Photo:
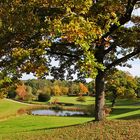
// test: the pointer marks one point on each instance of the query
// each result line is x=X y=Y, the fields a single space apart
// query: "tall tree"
x=86 y=36
x=83 y=89
x=120 y=85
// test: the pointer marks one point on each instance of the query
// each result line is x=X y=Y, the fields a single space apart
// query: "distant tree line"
x=119 y=84
x=33 y=89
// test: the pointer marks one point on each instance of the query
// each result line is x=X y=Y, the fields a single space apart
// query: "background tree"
x=91 y=87
x=64 y=90
x=120 y=85
x=83 y=89
x=47 y=89
x=29 y=95
x=56 y=90
x=74 y=89
x=138 y=86
x=21 y=91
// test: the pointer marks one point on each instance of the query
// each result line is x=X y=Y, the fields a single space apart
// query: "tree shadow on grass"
x=131 y=117
x=122 y=102
x=118 y=111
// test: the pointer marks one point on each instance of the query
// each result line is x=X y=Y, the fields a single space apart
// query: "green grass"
x=40 y=127
x=125 y=109
x=32 y=123
x=8 y=108
x=66 y=99
x=29 y=122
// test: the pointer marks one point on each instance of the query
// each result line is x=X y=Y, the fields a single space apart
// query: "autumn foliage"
x=83 y=88
x=21 y=91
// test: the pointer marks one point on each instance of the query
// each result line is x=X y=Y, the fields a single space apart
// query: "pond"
x=50 y=112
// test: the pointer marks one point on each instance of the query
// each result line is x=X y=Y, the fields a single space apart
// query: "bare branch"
x=62 y=54
x=112 y=47
x=123 y=59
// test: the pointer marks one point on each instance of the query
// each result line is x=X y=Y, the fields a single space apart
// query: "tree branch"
x=56 y=50
x=62 y=54
x=124 y=18
x=123 y=59
x=109 y=49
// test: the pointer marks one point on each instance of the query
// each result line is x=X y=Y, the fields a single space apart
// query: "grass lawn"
x=38 y=127
x=66 y=99
x=126 y=109
x=9 y=108
x=32 y=123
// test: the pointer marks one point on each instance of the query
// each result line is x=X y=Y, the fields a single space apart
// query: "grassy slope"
x=8 y=108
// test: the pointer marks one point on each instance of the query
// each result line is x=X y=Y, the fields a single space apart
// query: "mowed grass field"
x=9 y=108
x=67 y=99
x=123 y=123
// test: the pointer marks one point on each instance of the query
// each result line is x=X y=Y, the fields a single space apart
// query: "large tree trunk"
x=100 y=99
x=99 y=86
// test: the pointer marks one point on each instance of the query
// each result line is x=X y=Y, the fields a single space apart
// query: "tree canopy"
x=120 y=85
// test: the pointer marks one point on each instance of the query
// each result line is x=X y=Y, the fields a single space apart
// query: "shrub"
x=43 y=97
x=11 y=94
x=21 y=111
x=1 y=95
x=81 y=99
x=57 y=107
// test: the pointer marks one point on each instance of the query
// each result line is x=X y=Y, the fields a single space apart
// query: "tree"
x=56 y=90
x=29 y=95
x=32 y=83
x=91 y=87
x=120 y=85
x=74 y=89
x=21 y=91
x=86 y=37
x=83 y=88
x=138 y=86
x=64 y=90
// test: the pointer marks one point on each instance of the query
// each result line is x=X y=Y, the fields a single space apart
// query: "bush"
x=43 y=97
x=1 y=95
x=21 y=111
x=81 y=99
x=11 y=94
x=56 y=107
